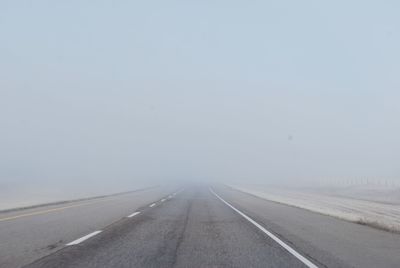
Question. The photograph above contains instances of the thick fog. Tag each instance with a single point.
(116, 94)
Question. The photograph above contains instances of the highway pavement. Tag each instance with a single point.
(29, 234)
(197, 226)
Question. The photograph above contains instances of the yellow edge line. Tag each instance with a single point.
(46, 211)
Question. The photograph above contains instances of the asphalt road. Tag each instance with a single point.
(29, 234)
(197, 228)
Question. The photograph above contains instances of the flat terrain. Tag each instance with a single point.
(342, 204)
(26, 235)
(191, 228)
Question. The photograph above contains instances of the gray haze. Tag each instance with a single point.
(131, 92)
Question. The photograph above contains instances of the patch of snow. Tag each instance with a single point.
(28, 195)
(348, 204)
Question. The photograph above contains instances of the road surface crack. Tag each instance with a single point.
(182, 234)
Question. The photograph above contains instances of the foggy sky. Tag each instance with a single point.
(122, 91)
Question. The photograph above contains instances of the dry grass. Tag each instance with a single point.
(379, 225)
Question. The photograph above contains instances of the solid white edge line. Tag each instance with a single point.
(134, 214)
(162, 200)
(170, 196)
(83, 238)
(271, 235)
(152, 205)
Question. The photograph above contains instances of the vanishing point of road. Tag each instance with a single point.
(194, 226)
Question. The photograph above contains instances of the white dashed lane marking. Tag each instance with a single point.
(83, 238)
(133, 214)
